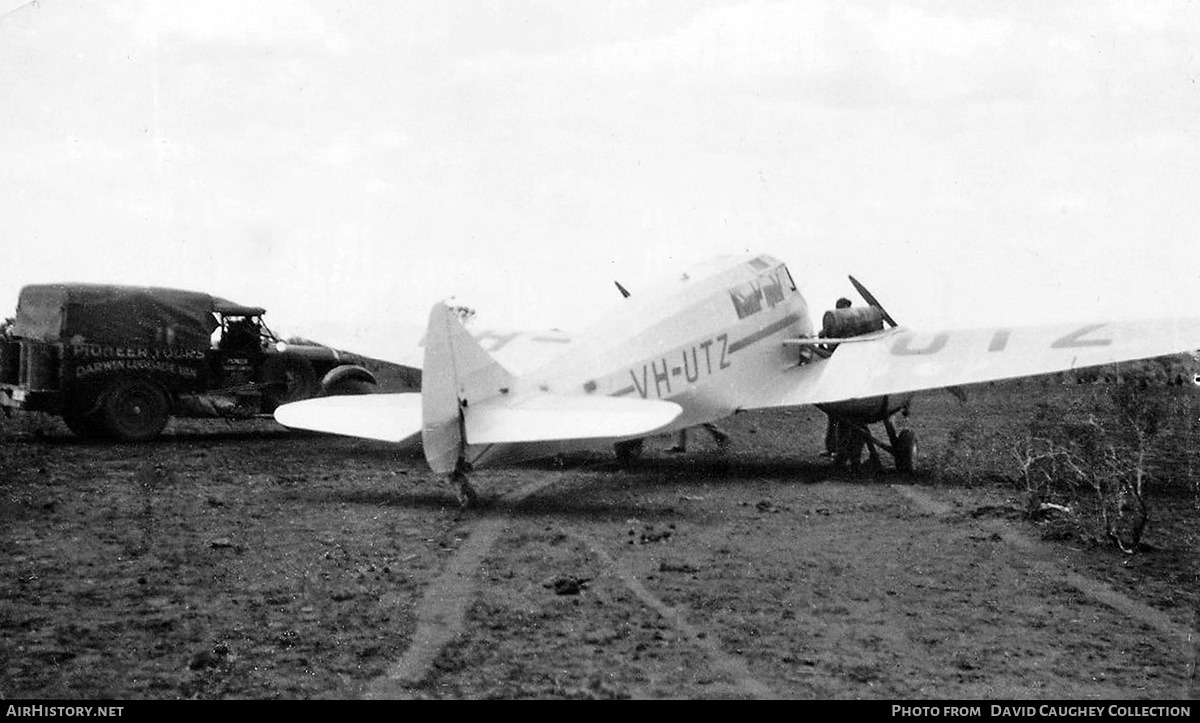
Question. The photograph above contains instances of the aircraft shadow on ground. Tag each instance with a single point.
(646, 488)
(552, 501)
(652, 487)
(712, 468)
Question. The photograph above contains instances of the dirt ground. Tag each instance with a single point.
(240, 560)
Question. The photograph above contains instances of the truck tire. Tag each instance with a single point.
(347, 380)
(134, 410)
(287, 378)
(350, 387)
(83, 424)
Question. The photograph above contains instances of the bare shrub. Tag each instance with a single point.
(1106, 448)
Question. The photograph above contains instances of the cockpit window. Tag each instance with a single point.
(785, 274)
(770, 287)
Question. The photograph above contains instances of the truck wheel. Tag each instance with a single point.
(82, 425)
(134, 410)
(287, 378)
(350, 387)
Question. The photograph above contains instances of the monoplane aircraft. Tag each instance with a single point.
(728, 335)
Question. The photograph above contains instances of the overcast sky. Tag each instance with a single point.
(351, 163)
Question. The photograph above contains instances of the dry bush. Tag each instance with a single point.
(1104, 454)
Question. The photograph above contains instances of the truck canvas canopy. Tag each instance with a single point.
(104, 313)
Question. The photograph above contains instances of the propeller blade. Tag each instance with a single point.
(870, 299)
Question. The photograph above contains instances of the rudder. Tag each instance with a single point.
(457, 372)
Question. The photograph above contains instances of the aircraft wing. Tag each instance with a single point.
(386, 417)
(555, 417)
(910, 361)
(521, 352)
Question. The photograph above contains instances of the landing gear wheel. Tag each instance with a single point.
(134, 410)
(906, 451)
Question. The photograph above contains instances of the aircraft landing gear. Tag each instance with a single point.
(904, 447)
(845, 441)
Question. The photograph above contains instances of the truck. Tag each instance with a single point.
(118, 362)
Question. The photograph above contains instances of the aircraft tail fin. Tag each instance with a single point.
(457, 372)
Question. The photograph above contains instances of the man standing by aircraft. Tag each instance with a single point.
(843, 442)
(720, 436)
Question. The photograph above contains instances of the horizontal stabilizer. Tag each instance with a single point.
(551, 417)
(386, 417)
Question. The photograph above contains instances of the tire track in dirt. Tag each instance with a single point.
(441, 614)
(734, 667)
(1101, 592)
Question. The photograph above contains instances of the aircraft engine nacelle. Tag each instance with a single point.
(851, 321)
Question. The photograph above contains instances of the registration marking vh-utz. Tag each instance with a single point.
(698, 360)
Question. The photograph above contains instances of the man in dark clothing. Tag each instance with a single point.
(720, 436)
(843, 440)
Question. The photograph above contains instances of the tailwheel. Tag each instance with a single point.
(468, 496)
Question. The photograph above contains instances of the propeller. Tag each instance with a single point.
(870, 299)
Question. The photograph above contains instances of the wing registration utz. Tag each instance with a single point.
(386, 417)
(910, 361)
(551, 417)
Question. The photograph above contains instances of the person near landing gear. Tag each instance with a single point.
(720, 436)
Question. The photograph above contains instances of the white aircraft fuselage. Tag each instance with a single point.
(704, 341)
